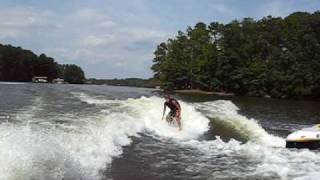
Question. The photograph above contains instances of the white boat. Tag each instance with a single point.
(305, 138)
(40, 79)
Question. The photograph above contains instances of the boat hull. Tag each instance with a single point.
(305, 138)
(303, 145)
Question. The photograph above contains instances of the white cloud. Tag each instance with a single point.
(6, 33)
(18, 22)
(144, 34)
(83, 36)
(117, 42)
(88, 15)
(222, 9)
(95, 41)
(120, 35)
(91, 17)
(273, 7)
(106, 24)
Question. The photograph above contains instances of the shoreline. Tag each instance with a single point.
(201, 92)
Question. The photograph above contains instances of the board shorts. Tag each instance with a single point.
(172, 115)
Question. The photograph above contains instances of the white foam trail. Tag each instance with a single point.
(145, 113)
(82, 149)
(28, 154)
(148, 113)
(35, 151)
(30, 111)
(95, 100)
(268, 161)
(227, 113)
(262, 148)
(30, 151)
(124, 118)
(11, 83)
(43, 149)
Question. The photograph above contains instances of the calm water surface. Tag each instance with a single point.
(104, 132)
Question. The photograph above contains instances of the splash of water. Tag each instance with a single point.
(82, 149)
(226, 113)
(43, 149)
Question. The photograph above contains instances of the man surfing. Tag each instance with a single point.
(175, 110)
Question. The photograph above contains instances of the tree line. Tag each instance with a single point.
(273, 56)
(136, 82)
(20, 65)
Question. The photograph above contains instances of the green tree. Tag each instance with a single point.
(271, 56)
(73, 74)
(17, 64)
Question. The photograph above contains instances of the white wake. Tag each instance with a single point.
(43, 149)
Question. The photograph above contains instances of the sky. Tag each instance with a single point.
(117, 38)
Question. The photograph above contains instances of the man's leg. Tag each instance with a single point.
(178, 119)
(170, 117)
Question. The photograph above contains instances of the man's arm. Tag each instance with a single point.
(164, 110)
(176, 104)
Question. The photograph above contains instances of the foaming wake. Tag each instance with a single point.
(148, 112)
(262, 162)
(29, 154)
(77, 149)
(225, 113)
(11, 83)
(26, 115)
(120, 119)
(82, 147)
(264, 153)
(261, 150)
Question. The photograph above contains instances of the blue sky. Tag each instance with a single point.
(116, 38)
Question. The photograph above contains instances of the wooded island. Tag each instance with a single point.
(20, 65)
(273, 56)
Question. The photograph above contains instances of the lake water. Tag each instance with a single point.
(103, 132)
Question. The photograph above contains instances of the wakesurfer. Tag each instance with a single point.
(175, 110)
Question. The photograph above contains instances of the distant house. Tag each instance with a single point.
(58, 81)
(40, 79)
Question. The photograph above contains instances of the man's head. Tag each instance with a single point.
(167, 97)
